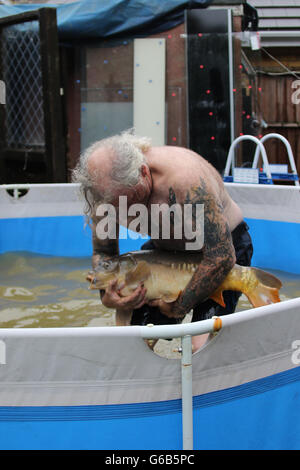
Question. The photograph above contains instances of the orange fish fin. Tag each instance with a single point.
(217, 296)
(266, 291)
(168, 298)
(263, 295)
(139, 274)
(267, 279)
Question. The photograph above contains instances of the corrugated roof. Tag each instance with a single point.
(274, 3)
(277, 14)
(279, 21)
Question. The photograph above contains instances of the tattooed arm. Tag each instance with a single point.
(102, 249)
(218, 253)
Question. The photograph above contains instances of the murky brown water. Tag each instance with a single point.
(38, 292)
(43, 291)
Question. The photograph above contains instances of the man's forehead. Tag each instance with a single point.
(99, 168)
(121, 192)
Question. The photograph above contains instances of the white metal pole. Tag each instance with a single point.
(154, 331)
(231, 80)
(262, 149)
(39, 185)
(288, 149)
(187, 392)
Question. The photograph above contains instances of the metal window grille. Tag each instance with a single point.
(21, 66)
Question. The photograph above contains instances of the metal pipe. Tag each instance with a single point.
(288, 147)
(74, 185)
(38, 185)
(231, 82)
(147, 332)
(262, 149)
(152, 331)
(265, 187)
(187, 393)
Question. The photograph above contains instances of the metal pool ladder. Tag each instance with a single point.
(267, 176)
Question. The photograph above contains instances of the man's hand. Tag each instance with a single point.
(112, 298)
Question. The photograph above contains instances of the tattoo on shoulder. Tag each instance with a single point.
(172, 196)
(215, 227)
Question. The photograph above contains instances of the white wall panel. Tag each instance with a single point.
(149, 88)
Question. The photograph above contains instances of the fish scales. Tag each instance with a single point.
(166, 274)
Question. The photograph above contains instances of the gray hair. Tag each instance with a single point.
(128, 157)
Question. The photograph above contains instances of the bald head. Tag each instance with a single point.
(111, 164)
(99, 167)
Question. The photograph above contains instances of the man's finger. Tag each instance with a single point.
(113, 284)
(136, 298)
(120, 286)
(112, 288)
(140, 304)
(143, 293)
(140, 299)
(135, 294)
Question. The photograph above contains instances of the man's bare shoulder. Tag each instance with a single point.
(178, 155)
(182, 169)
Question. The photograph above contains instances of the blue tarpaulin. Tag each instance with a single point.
(105, 18)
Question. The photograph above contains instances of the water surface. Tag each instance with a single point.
(40, 291)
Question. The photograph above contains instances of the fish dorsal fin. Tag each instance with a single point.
(139, 274)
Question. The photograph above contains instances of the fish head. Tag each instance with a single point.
(106, 271)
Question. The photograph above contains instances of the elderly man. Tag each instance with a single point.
(127, 165)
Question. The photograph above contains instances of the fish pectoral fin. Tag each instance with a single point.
(171, 296)
(139, 274)
(217, 296)
(168, 298)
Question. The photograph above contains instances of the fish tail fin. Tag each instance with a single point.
(267, 289)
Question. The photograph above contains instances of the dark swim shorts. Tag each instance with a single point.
(243, 250)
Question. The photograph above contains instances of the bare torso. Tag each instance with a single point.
(180, 176)
(181, 170)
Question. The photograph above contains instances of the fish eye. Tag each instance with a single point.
(108, 265)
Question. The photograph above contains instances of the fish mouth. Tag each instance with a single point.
(95, 282)
(91, 278)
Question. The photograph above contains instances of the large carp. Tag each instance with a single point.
(165, 275)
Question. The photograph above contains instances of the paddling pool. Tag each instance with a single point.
(72, 389)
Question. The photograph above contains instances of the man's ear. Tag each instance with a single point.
(145, 170)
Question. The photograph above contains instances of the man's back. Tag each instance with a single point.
(178, 174)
